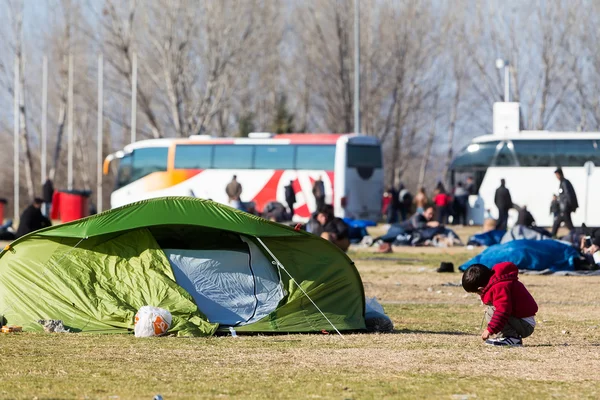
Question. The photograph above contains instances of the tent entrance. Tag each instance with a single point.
(230, 286)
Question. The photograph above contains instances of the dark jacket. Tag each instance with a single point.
(417, 221)
(508, 296)
(290, 195)
(394, 200)
(502, 198)
(525, 218)
(554, 207)
(48, 191)
(337, 227)
(471, 189)
(567, 198)
(318, 189)
(31, 220)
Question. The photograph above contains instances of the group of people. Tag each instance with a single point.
(561, 206)
(448, 206)
(322, 223)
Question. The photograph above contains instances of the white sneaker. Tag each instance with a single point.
(507, 341)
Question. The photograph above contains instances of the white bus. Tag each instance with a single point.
(201, 166)
(527, 160)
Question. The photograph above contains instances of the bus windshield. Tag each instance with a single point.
(141, 162)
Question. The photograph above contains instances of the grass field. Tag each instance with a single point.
(435, 351)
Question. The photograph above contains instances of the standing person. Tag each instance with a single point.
(48, 193)
(393, 206)
(421, 200)
(504, 203)
(567, 201)
(442, 203)
(405, 198)
(554, 207)
(319, 193)
(290, 198)
(233, 190)
(461, 200)
(32, 219)
(471, 189)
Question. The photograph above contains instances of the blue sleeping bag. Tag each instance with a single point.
(536, 255)
(357, 228)
(487, 239)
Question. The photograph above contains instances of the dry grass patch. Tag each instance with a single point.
(435, 352)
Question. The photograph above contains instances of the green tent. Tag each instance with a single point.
(211, 266)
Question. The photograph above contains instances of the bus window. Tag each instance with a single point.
(148, 160)
(535, 153)
(361, 156)
(190, 156)
(575, 153)
(505, 156)
(125, 171)
(315, 157)
(229, 156)
(274, 157)
(476, 155)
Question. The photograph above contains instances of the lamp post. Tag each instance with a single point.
(356, 66)
(500, 63)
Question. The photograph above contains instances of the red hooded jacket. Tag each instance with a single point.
(508, 296)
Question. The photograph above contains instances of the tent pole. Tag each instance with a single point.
(280, 265)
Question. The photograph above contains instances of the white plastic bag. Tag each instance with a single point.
(152, 321)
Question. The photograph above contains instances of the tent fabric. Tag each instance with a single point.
(170, 211)
(94, 287)
(535, 255)
(95, 273)
(252, 285)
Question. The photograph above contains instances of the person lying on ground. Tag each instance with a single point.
(511, 308)
(333, 229)
(590, 245)
(32, 219)
(419, 220)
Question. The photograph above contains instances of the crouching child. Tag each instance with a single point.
(511, 308)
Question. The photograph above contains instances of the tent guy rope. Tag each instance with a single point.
(280, 265)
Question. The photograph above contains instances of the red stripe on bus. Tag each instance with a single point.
(269, 191)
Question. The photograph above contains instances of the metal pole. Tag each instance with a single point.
(44, 118)
(587, 189)
(506, 82)
(133, 96)
(70, 127)
(16, 141)
(99, 141)
(356, 66)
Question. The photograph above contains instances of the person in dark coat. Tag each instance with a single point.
(470, 187)
(333, 229)
(319, 193)
(504, 203)
(290, 198)
(393, 206)
(48, 193)
(554, 206)
(567, 201)
(461, 203)
(32, 219)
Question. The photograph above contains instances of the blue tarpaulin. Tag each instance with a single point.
(487, 238)
(358, 228)
(535, 255)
